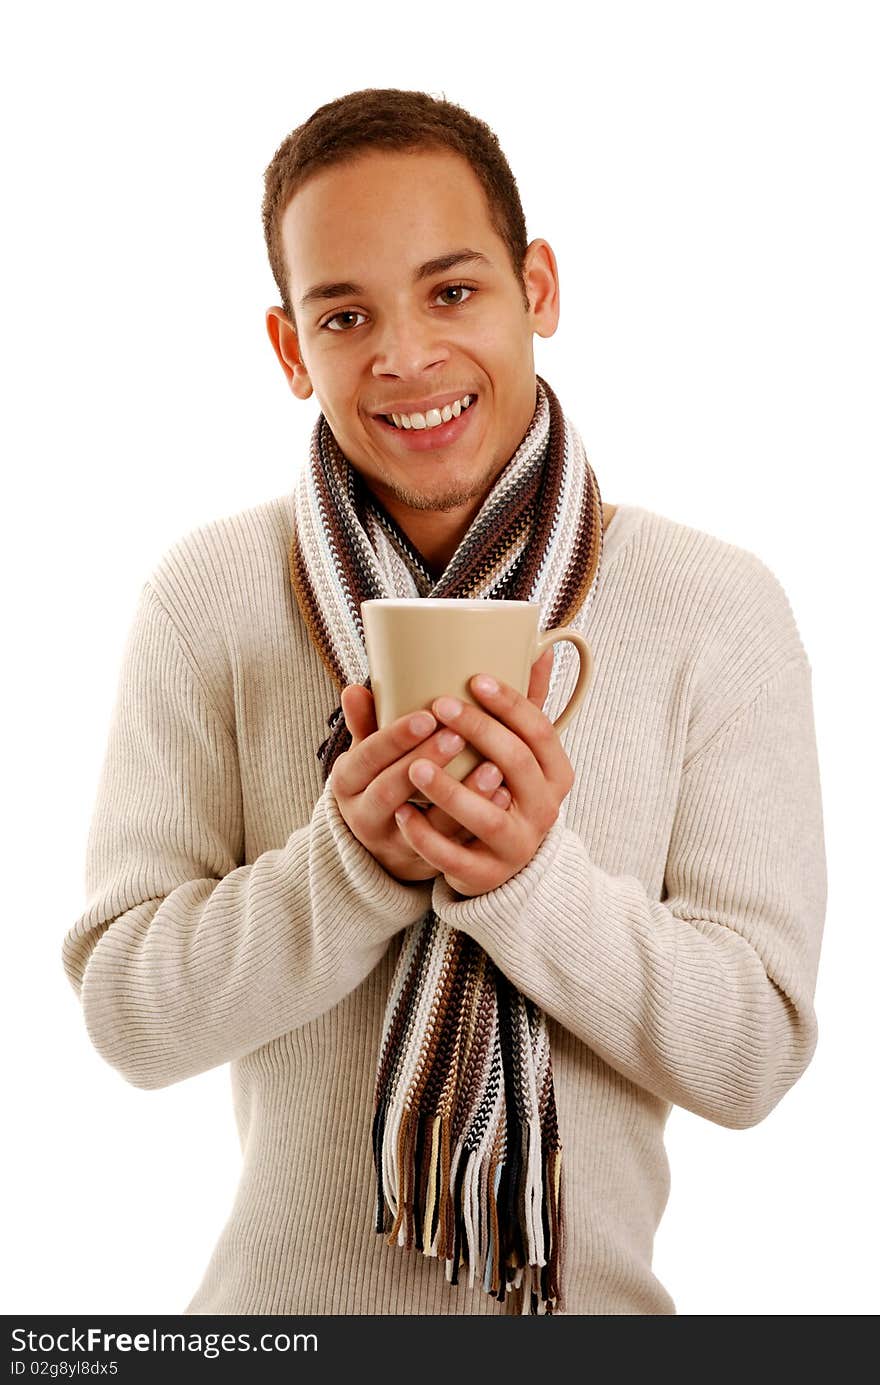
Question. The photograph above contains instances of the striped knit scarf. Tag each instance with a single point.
(465, 1137)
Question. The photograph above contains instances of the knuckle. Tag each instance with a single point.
(338, 774)
(496, 830)
(521, 757)
(363, 760)
(383, 795)
(545, 731)
(443, 790)
(567, 777)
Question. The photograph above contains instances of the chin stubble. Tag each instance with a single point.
(450, 499)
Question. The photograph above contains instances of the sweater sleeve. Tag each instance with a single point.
(704, 998)
(184, 958)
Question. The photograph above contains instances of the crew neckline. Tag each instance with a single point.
(624, 523)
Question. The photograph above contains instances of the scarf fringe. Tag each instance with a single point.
(454, 1209)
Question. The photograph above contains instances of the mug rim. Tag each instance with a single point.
(473, 603)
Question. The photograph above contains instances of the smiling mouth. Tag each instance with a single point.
(442, 435)
(425, 427)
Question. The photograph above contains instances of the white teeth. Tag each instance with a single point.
(434, 417)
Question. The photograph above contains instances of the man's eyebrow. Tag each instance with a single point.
(319, 292)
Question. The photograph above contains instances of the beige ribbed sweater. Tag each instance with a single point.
(670, 923)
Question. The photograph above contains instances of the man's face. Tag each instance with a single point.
(386, 339)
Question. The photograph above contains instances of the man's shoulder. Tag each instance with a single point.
(685, 560)
(231, 557)
(718, 601)
(672, 539)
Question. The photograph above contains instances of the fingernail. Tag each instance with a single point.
(447, 707)
(450, 742)
(421, 772)
(489, 776)
(422, 724)
(485, 684)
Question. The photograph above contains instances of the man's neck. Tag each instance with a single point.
(436, 535)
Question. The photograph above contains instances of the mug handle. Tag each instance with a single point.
(566, 632)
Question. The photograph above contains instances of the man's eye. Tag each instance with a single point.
(351, 312)
(456, 288)
(336, 316)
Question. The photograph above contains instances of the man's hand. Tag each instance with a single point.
(370, 781)
(517, 736)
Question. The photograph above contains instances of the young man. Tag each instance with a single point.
(464, 1027)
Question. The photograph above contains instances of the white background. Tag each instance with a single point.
(706, 174)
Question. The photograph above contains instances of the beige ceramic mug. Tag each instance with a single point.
(419, 648)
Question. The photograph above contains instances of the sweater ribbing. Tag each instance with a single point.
(669, 924)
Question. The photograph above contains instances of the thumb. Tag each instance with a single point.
(358, 710)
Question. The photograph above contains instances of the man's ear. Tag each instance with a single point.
(542, 286)
(285, 342)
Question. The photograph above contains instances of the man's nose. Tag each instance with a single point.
(407, 345)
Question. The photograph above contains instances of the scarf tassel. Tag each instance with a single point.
(457, 1209)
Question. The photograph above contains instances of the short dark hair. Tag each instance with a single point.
(387, 118)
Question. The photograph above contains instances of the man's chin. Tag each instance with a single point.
(440, 502)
